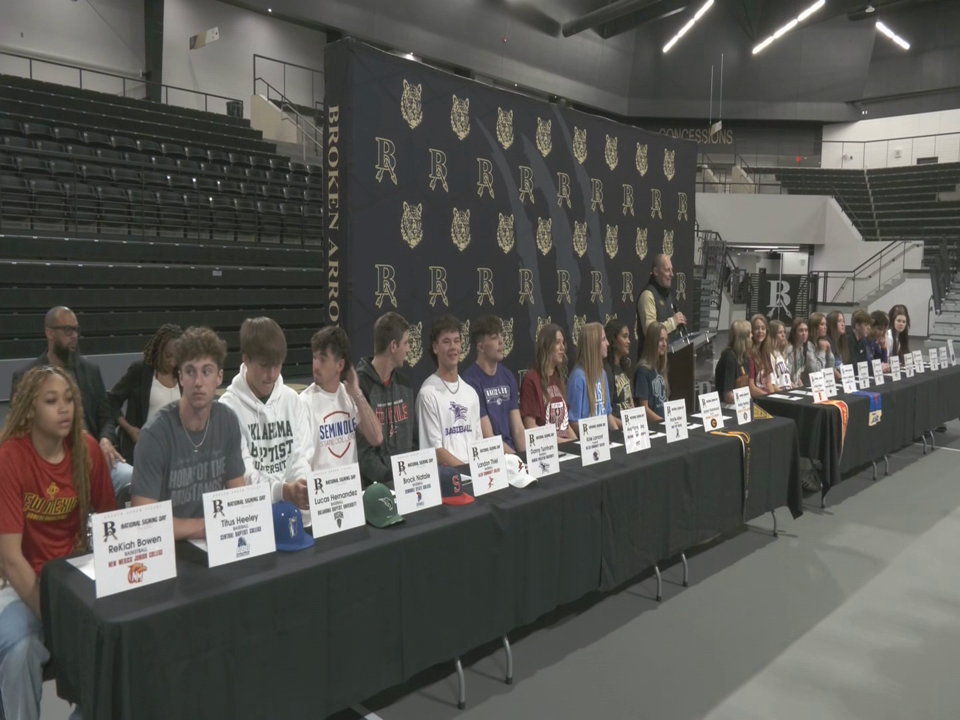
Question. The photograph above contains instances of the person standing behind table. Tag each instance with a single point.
(192, 446)
(335, 405)
(801, 357)
(761, 374)
(778, 360)
(148, 385)
(496, 386)
(588, 392)
(543, 392)
(63, 335)
(54, 476)
(656, 303)
(898, 336)
(617, 365)
(448, 408)
(391, 396)
(821, 344)
(651, 386)
(274, 424)
(732, 367)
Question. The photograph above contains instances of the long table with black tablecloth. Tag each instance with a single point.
(910, 407)
(366, 609)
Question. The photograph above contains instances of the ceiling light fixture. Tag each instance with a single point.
(790, 25)
(683, 30)
(892, 35)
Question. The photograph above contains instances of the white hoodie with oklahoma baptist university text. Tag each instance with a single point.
(277, 444)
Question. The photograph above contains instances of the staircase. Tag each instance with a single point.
(710, 270)
(946, 325)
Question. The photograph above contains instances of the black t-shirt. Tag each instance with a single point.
(728, 370)
(619, 383)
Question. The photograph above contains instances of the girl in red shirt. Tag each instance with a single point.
(53, 473)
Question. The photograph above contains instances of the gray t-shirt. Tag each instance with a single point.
(166, 465)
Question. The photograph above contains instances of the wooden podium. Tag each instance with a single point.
(683, 368)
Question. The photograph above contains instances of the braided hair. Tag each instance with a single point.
(153, 352)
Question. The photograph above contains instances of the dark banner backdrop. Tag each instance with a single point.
(782, 297)
(445, 195)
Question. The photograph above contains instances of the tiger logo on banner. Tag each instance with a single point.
(669, 170)
(460, 117)
(411, 224)
(578, 322)
(668, 242)
(544, 138)
(464, 340)
(460, 229)
(580, 144)
(610, 153)
(507, 337)
(540, 323)
(416, 344)
(612, 242)
(642, 159)
(505, 128)
(410, 106)
(544, 235)
(609, 318)
(642, 243)
(505, 233)
(579, 238)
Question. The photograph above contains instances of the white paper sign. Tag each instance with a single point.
(487, 466)
(543, 456)
(594, 440)
(416, 480)
(830, 382)
(878, 372)
(848, 379)
(895, 368)
(918, 361)
(711, 412)
(863, 375)
(133, 547)
(741, 400)
(336, 499)
(908, 364)
(953, 357)
(675, 420)
(239, 523)
(944, 357)
(636, 431)
(934, 359)
(819, 386)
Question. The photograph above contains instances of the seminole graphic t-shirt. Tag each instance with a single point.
(498, 397)
(333, 426)
(532, 404)
(449, 416)
(172, 463)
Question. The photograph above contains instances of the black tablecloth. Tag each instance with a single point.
(366, 609)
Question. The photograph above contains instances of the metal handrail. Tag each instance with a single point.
(287, 104)
(284, 64)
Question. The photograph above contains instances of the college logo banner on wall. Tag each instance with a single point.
(782, 297)
(446, 195)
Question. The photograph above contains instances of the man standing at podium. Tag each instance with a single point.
(656, 303)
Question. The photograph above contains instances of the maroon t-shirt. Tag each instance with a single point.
(532, 404)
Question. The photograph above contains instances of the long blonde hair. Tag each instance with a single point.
(20, 422)
(773, 330)
(761, 352)
(651, 357)
(740, 341)
(588, 358)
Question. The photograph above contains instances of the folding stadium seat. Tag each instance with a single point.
(248, 190)
(14, 203)
(33, 167)
(291, 215)
(228, 187)
(280, 165)
(95, 139)
(143, 212)
(172, 150)
(137, 159)
(8, 165)
(123, 144)
(156, 180)
(276, 178)
(162, 163)
(312, 225)
(114, 210)
(80, 151)
(207, 185)
(271, 193)
(16, 144)
(315, 172)
(257, 176)
(48, 146)
(246, 220)
(234, 173)
(63, 170)
(82, 207)
(297, 180)
(10, 127)
(196, 154)
(313, 196)
(209, 168)
(199, 220)
(67, 135)
(219, 157)
(172, 214)
(239, 159)
(95, 174)
(181, 182)
(270, 221)
(191, 166)
(258, 161)
(37, 131)
(224, 216)
(148, 147)
(298, 168)
(47, 205)
(125, 177)
(110, 156)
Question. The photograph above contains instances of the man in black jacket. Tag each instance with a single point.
(63, 333)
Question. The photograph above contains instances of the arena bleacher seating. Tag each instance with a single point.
(137, 213)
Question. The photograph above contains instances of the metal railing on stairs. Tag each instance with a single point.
(852, 286)
(308, 134)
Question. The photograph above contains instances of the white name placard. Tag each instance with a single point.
(878, 372)
(133, 547)
(487, 466)
(863, 375)
(594, 440)
(675, 420)
(636, 431)
(239, 523)
(819, 386)
(934, 359)
(953, 356)
(830, 382)
(944, 357)
(908, 367)
(895, 368)
(543, 455)
(848, 379)
(711, 412)
(336, 499)
(741, 401)
(416, 481)
(918, 361)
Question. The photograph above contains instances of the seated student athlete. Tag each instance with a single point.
(193, 445)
